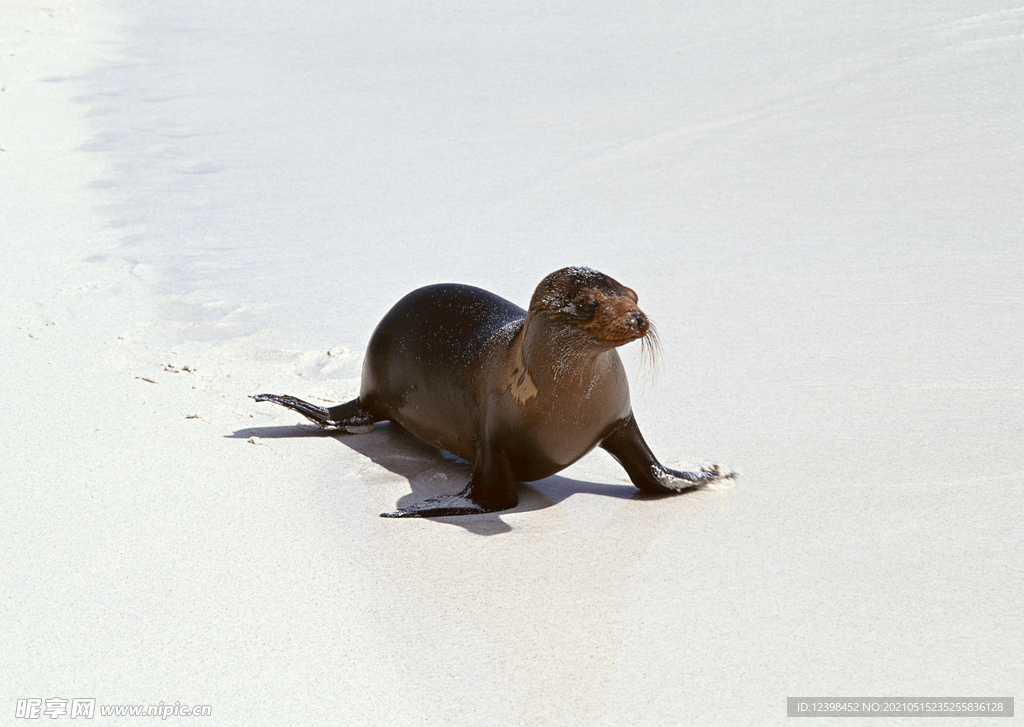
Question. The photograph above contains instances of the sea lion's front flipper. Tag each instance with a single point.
(348, 416)
(627, 445)
(460, 504)
(493, 488)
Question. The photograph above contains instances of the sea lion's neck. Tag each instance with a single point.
(550, 349)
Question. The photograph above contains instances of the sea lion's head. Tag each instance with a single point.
(600, 308)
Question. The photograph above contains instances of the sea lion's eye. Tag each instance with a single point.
(586, 306)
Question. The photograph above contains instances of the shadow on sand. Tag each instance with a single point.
(432, 472)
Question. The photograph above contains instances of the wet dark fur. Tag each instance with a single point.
(520, 394)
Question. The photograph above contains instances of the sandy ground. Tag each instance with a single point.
(821, 211)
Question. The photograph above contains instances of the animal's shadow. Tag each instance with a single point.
(431, 472)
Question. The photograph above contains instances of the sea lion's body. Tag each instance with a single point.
(520, 394)
(446, 364)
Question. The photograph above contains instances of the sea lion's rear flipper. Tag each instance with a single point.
(627, 445)
(348, 416)
(493, 488)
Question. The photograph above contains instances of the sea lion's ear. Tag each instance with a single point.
(585, 305)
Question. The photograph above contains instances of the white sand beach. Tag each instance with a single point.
(820, 207)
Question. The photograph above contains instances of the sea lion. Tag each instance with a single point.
(520, 394)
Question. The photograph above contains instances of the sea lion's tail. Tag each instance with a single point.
(348, 416)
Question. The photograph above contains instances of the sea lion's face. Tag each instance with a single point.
(593, 304)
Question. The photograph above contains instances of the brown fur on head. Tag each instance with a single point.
(593, 303)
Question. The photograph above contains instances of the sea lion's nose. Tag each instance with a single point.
(639, 319)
